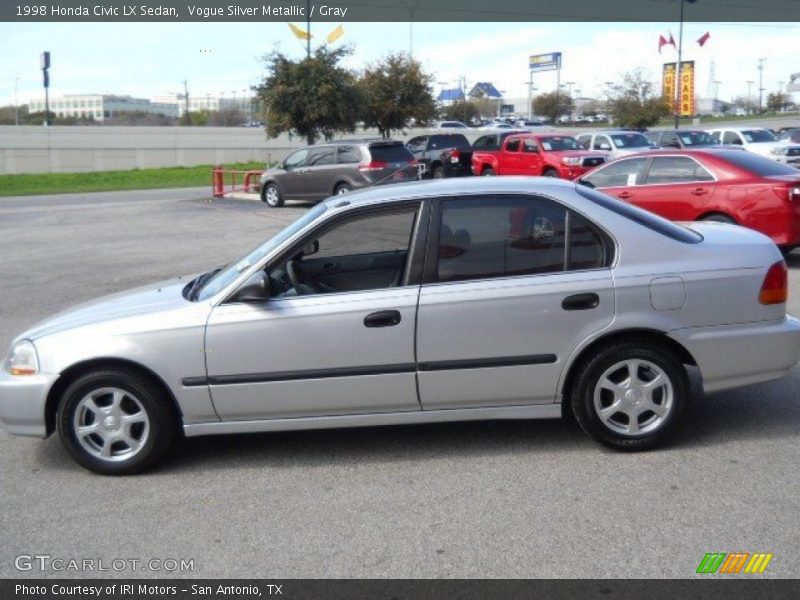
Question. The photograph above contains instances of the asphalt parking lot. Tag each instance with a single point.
(500, 499)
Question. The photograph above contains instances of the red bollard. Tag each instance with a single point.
(217, 181)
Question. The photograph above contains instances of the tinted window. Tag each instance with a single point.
(640, 216)
(587, 250)
(485, 141)
(630, 140)
(393, 153)
(500, 237)
(368, 235)
(348, 155)
(296, 159)
(325, 155)
(756, 164)
(512, 146)
(759, 135)
(676, 169)
(618, 174)
(455, 140)
(731, 137)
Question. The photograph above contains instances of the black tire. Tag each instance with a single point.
(786, 250)
(161, 431)
(550, 173)
(341, 188)
(271, 196)
(719, 218)
(438, 173)
(582, 397)
(488, 172)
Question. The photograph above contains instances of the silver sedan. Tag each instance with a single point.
(481, 298)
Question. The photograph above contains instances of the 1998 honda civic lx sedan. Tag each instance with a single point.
(485, 298)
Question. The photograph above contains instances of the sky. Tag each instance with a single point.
(226, 58)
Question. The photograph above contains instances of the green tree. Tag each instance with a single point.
(632, 103)
(313, 97)
(778, 102)
(553, 105)
(464, 111)
(395, 90)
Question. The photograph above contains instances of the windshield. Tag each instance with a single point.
(631, 140)
(697, 138)
(759, 135)
(225, 277)
(559, 143)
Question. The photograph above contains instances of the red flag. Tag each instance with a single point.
(704, 38)
(662, 41)
(671, 40)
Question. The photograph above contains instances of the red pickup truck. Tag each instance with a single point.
(550, 155)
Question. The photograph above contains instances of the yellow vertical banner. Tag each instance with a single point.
(668, 85)
(687, 107)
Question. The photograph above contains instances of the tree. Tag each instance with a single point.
(394, 91)
(552, 105)
(632, 103)
(464, 111)
(746, 103)
(313, 97)
(778, 102)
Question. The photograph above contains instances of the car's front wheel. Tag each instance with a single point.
(630, 395)
(115, 422)
(272, 196)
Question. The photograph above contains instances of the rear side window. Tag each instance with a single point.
(455, 140)
(640, 216)
(347, 155)
(530, 146)
(485, 141)
(503, 237)
(618, 174)
(512, 146)
(731, 137)
(676, 169)
(391, 153)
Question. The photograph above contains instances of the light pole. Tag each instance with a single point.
(749, 96)
(678, 68)
(16, 104)
(569, 85)
(410, 10)
(760, 82)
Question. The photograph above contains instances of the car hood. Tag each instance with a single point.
(157, 297)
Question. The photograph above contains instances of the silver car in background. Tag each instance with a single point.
(617, 143)
(463, 299)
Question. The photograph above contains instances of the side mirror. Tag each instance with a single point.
(255, 289)
(310, 249)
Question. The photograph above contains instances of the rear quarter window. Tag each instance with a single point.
(753, 163)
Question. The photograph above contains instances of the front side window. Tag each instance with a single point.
(759, 135)
(631, 140)
(296, 159)
(731, 137)
(504, 237)
(617, 174)
(676, 169)
(601, 142)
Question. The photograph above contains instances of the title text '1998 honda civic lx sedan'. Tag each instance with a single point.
(485, 298)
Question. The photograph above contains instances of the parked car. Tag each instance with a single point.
(536, 154)
(754, 139)
(442, 154)
(316, 172)
(724, 185)
(682, 138)
(451, 125)
(530, 124)
(616, 143)
(496, 125)
(495, 298)
(790, 135)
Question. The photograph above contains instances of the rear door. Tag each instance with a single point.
(321, 172)
(532, 163)
(675, 187)
(502, 305)
(510, 159)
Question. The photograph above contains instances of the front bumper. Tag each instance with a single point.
(734, 355)
(22, 403)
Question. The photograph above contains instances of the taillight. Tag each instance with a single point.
(374, 165)
(454, 156)
(794, 193)
(775, 288)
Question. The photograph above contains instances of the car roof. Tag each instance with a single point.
(702, 151)
(455, 186)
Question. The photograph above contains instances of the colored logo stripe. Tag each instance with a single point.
(733, 562)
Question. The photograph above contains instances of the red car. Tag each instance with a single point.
(549, 155)
(711, 184)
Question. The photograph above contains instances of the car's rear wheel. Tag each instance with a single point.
(630, 395)
(438, 172)
(719, 218)
(550, 173)
(488, 172)
(342, 188)
(115, 422)
(272, 196)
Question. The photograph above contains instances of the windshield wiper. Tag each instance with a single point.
(198, 283)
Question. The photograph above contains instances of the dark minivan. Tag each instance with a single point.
(316, 172)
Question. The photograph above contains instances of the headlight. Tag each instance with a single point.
(779, 151)
(22, 359)
(572, 161)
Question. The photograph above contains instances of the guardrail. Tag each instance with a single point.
(221, 187)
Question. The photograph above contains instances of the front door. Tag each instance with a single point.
(337, 335)
(675, 187)
(503, 304)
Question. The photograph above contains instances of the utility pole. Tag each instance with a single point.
(45, 65)
(308, 28)
(678, 68)
(760, 82)
(410, 10)
(16, 104)
(186, 101)
(749, 96)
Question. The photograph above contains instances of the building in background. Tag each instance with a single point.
(102, 106)
(450, 96)
(209, 103)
